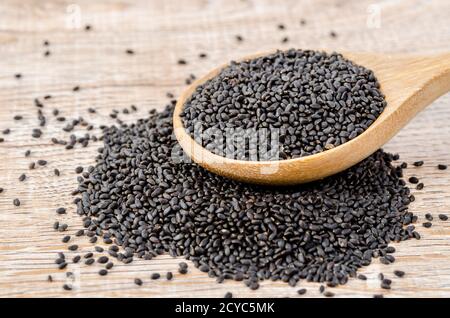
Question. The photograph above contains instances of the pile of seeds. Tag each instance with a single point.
(138, 196)
(313, 100)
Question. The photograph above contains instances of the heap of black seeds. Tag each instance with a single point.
(138, 197)
(316, 100)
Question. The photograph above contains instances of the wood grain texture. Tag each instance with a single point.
(161, 32)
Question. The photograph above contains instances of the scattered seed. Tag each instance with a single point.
(138, 281)
(427, 224)
(103, 272)
(42, 162)
(66, 239)
(442, 167)
(418, 163)
(413, 180)
(22, 177)
(16, 202)
(443, 217)
(67, 287)
(73, 247)
(429, 217)
(61, 211)
(76, 259)
(169, 275)
(301, 291)
(129, 52)
(103, 259)
(155, 276)
(228, 295)
(399, 273)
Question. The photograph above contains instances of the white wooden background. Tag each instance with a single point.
(161, 32)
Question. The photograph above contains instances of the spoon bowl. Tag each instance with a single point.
(409, 83)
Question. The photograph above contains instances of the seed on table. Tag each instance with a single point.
(109, 265)
(182, 62)
(239, 38)
(88, 255)
(333, 34)
(6, 131)
(93, 240)
(37, 133)
(169, 275)
(302, 22)
(228, 295)
(18, 117)
(103, 259)
(18, 75)
(420, 186)
(87, 27)
(61, 210)
(22, 177)
(59, 261)
(27, 153)
(413, 180)
(62, 265)
(378, 296)
(67, 287)
(385, 286)
(138, 281)
(443, 217)
(50, 278)
(56, 225)
(89, 261)
(102, 272)
(56, 172)
(76, 88)
(76, 259)
(79, 233)
(285, 40)
(429, 217)
(328, 294)
(362, 277)
(73, 247)
(129, 52)
(99, 249)
(399, 273)
(442, 167)
(66, 239)
(301, 291)
(32, 165)
(16, 202)
(155, 276)
(202, 56)
(427, 224)
(418, 163)
(387, 281)
(380, 276)
(42, 162)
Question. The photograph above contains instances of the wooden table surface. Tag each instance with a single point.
(160, 33)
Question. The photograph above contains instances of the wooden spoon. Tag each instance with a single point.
(410, 83)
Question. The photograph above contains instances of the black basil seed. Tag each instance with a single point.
(443, 217)
(418, 163)
(109, 265)
(138, 281)
(89, 261)
(413, 180)
(61, 211)
(169, 275)
(42, 162)
(137, 196)
(67, 287)
(429, 217)
(442, 167)
(16, 202)
(155, 276)
(399, 273)
(22, 177)
(307, 112)
(76, 259)
(427, 224)
(228, 295)
(66, 239)
(73, 247)
(103, 272)
(301, 291)
(419, 186)
(103, 259)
